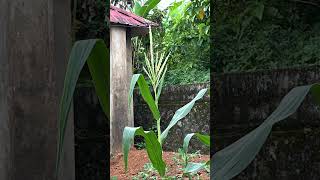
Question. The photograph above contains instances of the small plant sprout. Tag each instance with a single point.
(191, 167)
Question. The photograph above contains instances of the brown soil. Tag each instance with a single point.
(138, 158)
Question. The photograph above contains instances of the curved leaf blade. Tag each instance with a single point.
(195, 167)
(145, 92)
(153, 147)
(205, 139)
(93, 51)
(230, 161)
(145, 8)
(136, 8)
(181, 113)
(99, 67)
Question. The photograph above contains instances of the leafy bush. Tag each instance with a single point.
(255, 35)
(187, 34)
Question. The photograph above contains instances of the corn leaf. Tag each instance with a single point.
(99, 67)
(230, 161)
(205, 139)
(145, 92)
(153, 147)
(181, 113)
(195, 167)
(95, 53)
(161, 84)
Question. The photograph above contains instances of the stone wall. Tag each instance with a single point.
(172, 98)
(241, 101)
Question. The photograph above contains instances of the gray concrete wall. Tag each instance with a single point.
(34, 49)
(242, 101)
(120, 82)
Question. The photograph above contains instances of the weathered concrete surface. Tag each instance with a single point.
(241, 101)
(35, 41)
(173, 98)
(121, 73)
(5, 151)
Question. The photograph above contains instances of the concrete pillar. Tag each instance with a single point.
(121, 73)
(129, 75)
(34, 48)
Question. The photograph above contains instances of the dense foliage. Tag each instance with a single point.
(184, 32)
(258, 34)
(90, 19)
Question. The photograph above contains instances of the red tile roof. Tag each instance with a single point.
(122, 17)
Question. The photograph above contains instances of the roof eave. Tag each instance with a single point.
(134, 30)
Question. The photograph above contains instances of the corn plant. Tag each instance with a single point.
(156, 67)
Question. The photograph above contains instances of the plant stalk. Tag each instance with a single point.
(158, 120)
(159, 131)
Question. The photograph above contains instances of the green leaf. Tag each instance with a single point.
(181, 113)
(205, 139)
(195, 167)
(161, 83)
(146, 8)
(136, 8)
(145, 92)
(94, 52)
(258, 11)
(99, 67)
(153, 147)
(230, 161)
(178, 9)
